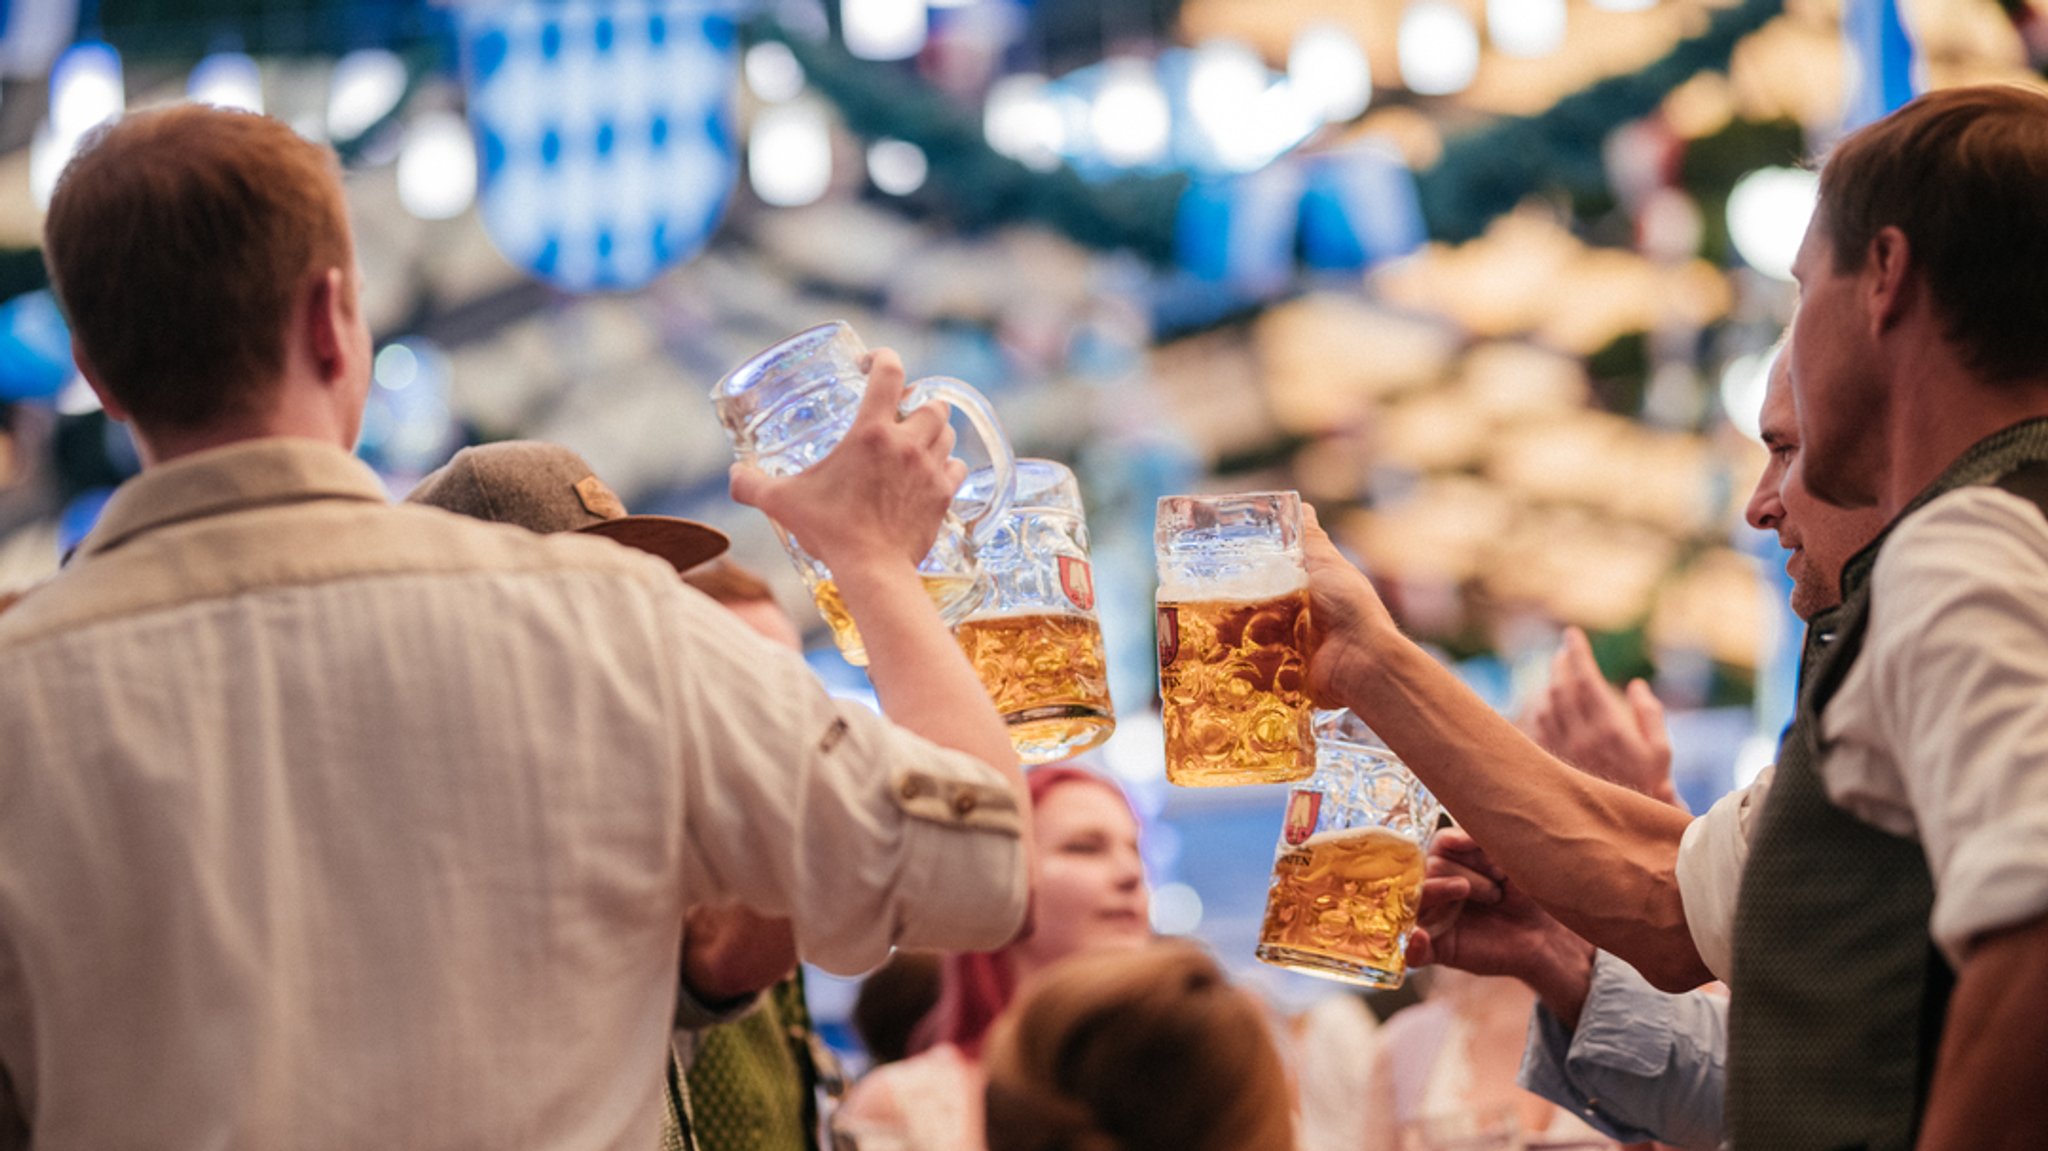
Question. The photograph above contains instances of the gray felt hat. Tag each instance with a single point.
(545, 487)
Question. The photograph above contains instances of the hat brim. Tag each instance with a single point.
(683, 543)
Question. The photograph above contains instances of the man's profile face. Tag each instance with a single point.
(1820, 536)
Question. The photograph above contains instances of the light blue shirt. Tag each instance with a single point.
(1643, 1064)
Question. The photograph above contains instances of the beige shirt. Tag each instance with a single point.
(325, 823)
(1938, 732)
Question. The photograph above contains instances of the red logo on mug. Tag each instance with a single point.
(1303, 806)
(1077, 579)
(1169, 636)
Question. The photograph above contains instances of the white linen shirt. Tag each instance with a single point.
(331, 824)
(1939, 731)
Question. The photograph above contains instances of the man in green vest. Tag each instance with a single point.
(1911, 804)
(1637, 1063)
(1904, 848)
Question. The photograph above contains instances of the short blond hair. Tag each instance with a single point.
(1147, 1050)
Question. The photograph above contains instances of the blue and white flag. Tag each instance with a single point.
(1884, 73)
(604, 133)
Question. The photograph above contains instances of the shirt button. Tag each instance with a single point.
(963, 803)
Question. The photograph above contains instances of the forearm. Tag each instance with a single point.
(1994, 1047)
(920, 675)
(1601, 858)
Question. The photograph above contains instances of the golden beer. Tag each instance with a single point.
(1342, 904)
(944, 590)
(1047, 675)
(1232, 678)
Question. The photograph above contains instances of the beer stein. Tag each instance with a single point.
(1347, 873)
(788, 407)
(1234, 639)
(1035, 641)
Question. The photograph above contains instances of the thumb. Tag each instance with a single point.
(750, 485)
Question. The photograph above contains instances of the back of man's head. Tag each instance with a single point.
(178, 241)
(1961, 173)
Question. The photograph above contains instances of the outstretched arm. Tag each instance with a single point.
(1601, 858)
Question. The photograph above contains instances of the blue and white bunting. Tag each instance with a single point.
(604, 133)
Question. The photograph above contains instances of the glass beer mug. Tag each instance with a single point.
(1035, 641)
(1347, 873)
(789, 406)
(1234, 639)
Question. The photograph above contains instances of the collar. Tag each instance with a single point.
(262, 472)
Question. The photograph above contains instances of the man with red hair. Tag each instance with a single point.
(331, 824)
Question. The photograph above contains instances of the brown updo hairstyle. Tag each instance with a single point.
(1146, 1050)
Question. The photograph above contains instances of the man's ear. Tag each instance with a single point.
(325, 317)
(1888, 282)
(108, 403)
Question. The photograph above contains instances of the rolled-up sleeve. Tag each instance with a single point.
(1711, 857)
(864, 834)
(1643, 1064)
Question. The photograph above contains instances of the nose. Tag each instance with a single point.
(1130, 873)
(1766, 508)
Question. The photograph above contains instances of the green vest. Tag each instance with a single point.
(753, 1083)
(1838, 993)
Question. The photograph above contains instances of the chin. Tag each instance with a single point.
(1123, 935)
(1809, 601)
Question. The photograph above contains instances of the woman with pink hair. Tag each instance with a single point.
(1088, 893)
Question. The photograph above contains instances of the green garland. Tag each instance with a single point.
(1482, 174)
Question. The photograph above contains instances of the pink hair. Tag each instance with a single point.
(975, 986)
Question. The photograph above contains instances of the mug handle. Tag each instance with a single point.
(982, 418)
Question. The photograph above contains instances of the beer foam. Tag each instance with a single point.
(1267, 581)
(1027, 611)
(1356, 835)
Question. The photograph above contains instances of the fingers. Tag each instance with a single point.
(928, 424)
(1441, 892)
(1543, 717)
(884, 394)
(1478, 887)
(1649, 713)
(1458, 844)
(1421, 950)
(1453, 839)
(1584, 690)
